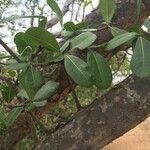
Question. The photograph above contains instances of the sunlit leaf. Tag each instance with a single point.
(107, 8)
(17, 66)
(138, 5)
(70, 26)
(116, 31)
(40, 36)
(20, 42)
(120, 39)
(8, 93)
(46, 91)
(100, 69)
(13, 115)
(54, 6)
(83, 40)
(65, 46)
(78, 70)
(31, 80)
(140, 62)
(23, 94)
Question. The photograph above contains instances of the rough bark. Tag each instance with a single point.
(124, 18)
(109, 117)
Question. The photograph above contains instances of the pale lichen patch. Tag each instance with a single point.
(117, 99)
(103, 107)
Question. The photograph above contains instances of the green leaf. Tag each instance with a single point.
(12, 116)
(46, 91)
(27, 52)
(17, 66)
(23, 94)
(40, 36)
(20, 42)
(70, 26)
(12, 73)
(116, 31)
(140, 62)
(120, 39)
(31, 80)
(147, 23)
(54, 6)
(8, 93)
(82, 25)
(107, 8)
(65, 46)
(2, 113)
(100, 69)
(67, 34)
(83, 40)
(78, 70)
(138, 5)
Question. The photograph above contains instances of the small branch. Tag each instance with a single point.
(83, 13)
(76, 18)
(10, 51)
(72, 11)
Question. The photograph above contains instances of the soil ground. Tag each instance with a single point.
(136, 139)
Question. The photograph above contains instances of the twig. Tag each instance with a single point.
(72, 10)
(10, 51)
(83, 13)
(76, 18)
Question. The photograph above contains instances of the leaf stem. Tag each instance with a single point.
(79, 107)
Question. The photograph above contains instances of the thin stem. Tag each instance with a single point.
(10, 51)
(79, 107)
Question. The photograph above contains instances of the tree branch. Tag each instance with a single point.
(10, 51)
(118, 111)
